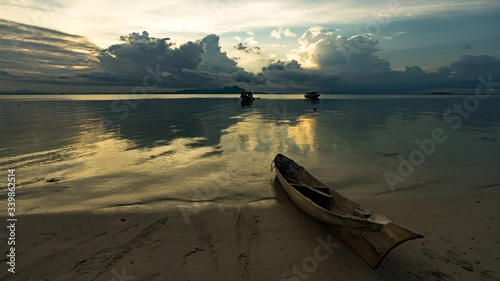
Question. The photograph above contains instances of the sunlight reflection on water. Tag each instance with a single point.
(168, 148)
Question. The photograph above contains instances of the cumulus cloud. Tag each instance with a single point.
(193, 64)
(291, 77)
(282, 32)
(468, 68)
(241, 46)
(324, 61)
(335, 54)
(334, 63)
(251, 41)
(38, 55)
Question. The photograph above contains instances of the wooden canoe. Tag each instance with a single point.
(369, 235)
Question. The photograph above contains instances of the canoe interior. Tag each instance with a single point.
(322, 201)
(337, 203)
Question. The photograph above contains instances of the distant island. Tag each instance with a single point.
(440, 93)
(24, 92)
(226, 90)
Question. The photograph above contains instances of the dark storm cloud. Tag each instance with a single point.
(4, 73)
(346, 65)
(193, 64)
(324, 61)
(38, 55)
(292, 77)
(469, 67)
(34, 54)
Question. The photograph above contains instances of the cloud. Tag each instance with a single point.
(31, 53)
(4, 73)
(324, 60)
(251, 41)
(282, 31)
(241, 46)
(37, 55)
(355, 56)
(244, 47)
(289, 33)
(468, 67)
(292, 77)
(193, 64)
(394, 35)
(275, 34)
(334, 63)
(220, 17)
(251, 33)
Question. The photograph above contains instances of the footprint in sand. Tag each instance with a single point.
(246, 231)
(46, 237)
(206, 241)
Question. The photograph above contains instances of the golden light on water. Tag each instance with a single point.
(303, 134)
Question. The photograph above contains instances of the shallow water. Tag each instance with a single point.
(165, 149)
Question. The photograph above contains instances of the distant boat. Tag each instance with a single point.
(312, 95)
(247, 96)
(369, 235)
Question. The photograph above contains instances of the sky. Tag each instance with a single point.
(344, 46)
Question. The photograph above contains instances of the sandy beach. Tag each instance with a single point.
(138, 140)
(266, 240)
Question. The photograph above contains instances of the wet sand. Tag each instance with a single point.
(257, 241)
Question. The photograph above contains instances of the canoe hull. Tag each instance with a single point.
(370, 241)
(373, 247)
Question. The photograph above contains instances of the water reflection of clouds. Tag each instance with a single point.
(168, 148)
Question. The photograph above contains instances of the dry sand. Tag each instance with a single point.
(256, 241)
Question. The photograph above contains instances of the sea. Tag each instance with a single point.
(100, 152)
